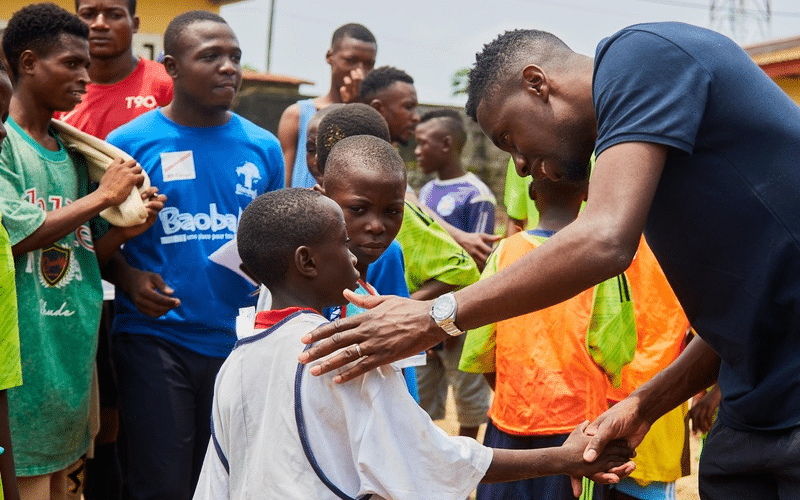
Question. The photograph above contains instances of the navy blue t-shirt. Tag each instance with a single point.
(725, 219)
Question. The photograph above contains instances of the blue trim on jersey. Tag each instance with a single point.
(223, 460)
(261, 335)
(301, 431)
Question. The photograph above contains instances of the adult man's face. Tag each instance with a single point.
(398, 105)
(111, 27)
(544, 139)
(57, 79)
(350, 54)
(207, 68)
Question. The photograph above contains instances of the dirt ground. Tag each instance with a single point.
(686, 486)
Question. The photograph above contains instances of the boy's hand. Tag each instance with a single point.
(120, 177)
(153, 202)
(610, 466)
(704, 407)
(477, 245)
(352, 85)
(149, 293)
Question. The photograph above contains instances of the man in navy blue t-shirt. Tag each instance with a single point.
(699, 149)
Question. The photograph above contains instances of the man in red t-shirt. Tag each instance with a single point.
(123, 86)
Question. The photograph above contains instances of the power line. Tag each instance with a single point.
(695, 5)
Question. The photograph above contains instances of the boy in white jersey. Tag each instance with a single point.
(279, 433)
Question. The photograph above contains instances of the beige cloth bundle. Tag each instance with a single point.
(99, 154)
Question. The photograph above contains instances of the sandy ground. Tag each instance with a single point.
(686, 487)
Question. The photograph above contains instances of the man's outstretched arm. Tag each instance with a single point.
(600, 244)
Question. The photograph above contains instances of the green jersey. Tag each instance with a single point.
(430, 253)
(59, 298)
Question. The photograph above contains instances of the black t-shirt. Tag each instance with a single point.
(725, 220)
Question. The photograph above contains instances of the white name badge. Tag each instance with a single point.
(177, 166)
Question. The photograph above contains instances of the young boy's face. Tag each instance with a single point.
(336, 265)
(111, 27)
(372, 203)
(207, 71)
(58, 79)
(432, 149)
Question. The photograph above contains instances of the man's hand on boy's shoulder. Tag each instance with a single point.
(371, 337)
(612, 465)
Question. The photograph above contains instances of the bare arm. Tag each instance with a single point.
(146, 289)
(600, 244)
(432, 289)
(696, 368)
(115, 186)
(288, 132)
(515, 465)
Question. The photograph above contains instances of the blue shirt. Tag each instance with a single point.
(209, 176)
(464, 202)
(725, 220)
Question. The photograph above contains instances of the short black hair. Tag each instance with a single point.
(452, 120)
(348, 120)
(37, 27)
(353, 30)
(274, 225)
(179, 24)
(381, 78)
(131, 6)
(495, 59)
(363, 152)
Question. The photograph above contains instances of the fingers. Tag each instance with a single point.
(599, 438)
(161, 286)
(577, 486)
(331, 337)
(365, 301)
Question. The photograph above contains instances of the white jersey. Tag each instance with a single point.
(368, 436)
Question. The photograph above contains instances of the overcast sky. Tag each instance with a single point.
(432, 39)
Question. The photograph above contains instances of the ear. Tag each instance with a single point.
(305, 262)
(329, 55)
(27, 62)
(135, 24)
(531, 192)
(377, 104)
(171, 66)
(536, 81)
(318, 188)
(447, 143)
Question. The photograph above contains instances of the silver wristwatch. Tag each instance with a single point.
(443, 313)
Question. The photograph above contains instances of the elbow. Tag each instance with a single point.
(614, 251)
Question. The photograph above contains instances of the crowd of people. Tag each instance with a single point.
(288, 316)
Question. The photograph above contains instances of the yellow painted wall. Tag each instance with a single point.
(155, 14)
(154, 17)
(791, 86)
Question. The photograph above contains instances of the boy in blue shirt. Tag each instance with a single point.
(167, 349)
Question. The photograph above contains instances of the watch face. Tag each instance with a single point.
(443, 308)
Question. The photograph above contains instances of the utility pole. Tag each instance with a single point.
(269, 32)
(745, 21)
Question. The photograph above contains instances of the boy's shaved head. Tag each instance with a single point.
(509, 53)
(346, 121)
(274, 225)
(38, 27)
(179, 24)
(362, 152)
(352, 30)
(451, 121)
